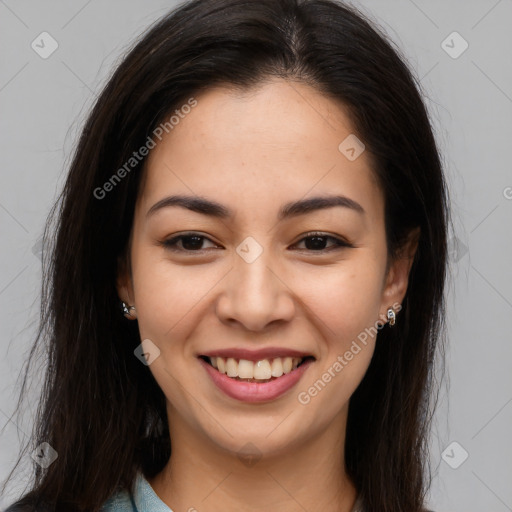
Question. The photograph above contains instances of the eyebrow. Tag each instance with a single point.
(293, 209)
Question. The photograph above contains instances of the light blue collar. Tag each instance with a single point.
(145, 498)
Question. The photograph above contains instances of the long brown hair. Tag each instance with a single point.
(100, 409)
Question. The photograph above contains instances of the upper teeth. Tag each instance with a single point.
(263, 369)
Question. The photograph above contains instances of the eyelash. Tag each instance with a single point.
(339, 243)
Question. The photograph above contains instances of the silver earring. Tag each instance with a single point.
(127, 309)
(391, 316)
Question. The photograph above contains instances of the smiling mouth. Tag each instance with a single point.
(264, 370)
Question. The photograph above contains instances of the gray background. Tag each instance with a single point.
(44, 103)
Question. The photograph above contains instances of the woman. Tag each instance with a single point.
(245, 295)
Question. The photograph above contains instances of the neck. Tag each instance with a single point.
(204, 477)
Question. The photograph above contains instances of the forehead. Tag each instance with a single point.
(259, 148)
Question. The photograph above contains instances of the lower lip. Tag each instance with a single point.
(254, 391)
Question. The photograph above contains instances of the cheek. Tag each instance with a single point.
(345, 300)
(172, 299)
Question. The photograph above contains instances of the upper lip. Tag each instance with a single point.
(255, 355)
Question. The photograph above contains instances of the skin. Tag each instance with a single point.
(253, 152)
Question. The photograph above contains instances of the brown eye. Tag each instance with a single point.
(317, 242)
(189, 243)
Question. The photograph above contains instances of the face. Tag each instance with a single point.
(252, 278)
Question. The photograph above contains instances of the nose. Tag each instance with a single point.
(255, 295)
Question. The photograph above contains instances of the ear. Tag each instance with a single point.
(124, 282)
(397, 278)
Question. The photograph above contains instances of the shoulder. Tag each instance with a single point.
(119, 502)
